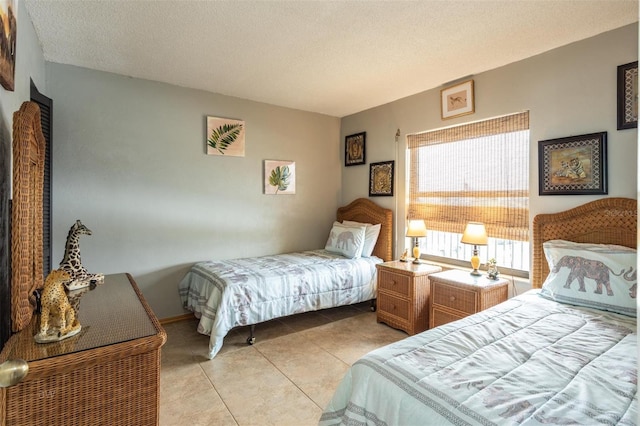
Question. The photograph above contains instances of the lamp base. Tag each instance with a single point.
(416, 251)
(416, 261)
(475, 262)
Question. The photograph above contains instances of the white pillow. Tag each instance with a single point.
(346, 240)
(601, 276)
(370, 237)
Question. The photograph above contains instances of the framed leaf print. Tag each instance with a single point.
(225, 137)
(279, 177)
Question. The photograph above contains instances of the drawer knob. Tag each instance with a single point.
(12, 372)
(393, 282)
(452, 298)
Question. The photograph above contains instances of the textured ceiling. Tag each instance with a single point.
(331, 57)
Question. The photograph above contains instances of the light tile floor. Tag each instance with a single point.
(286, 378)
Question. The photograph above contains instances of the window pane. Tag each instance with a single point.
(508, 253)
(473, 172)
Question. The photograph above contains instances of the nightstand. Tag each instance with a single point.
(403, 295)
(456, 294)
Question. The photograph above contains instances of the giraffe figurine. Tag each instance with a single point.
(58, 319)
(71, 262)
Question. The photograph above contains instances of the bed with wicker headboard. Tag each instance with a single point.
(603, 221)
(237, 292)
(534, 359)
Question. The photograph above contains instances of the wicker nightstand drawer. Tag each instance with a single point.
(455, 298)
(395, 283)
(456, 294)
(394, 306)
(440, 317)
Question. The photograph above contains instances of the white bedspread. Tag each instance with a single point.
(527, 361)
(229, 293)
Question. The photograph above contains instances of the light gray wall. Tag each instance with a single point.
(129, 161)
(568, 91)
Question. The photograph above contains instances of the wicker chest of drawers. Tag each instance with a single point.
(403, 294)
(456, 294)
(108, 374)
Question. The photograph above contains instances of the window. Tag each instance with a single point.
(473, 172)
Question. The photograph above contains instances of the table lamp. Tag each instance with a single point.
(476, 234)
(416, 229)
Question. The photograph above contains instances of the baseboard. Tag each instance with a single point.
(176, 319)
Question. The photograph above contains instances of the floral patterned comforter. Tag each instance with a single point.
(227, 293)
(527, 361)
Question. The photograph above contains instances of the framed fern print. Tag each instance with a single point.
(225, 136)
(279, 177)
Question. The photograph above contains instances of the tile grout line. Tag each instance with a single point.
(216, 391)
(287, 376)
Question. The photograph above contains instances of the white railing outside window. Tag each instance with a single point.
(509, 254)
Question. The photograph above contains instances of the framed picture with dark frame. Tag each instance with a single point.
(354, 149)
(381, 179)
(575, 165)
(628, 96)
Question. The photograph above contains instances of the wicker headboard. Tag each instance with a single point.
(366, 211)
(604, 221)
(26, 213)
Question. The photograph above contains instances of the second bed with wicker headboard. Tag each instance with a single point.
(604, 221)
(530, 360)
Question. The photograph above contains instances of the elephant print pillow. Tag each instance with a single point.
(600, 276)
(346, 240)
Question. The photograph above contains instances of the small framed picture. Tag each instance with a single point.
(225, 137)
(279, 177)
(9, 14)
(628, 96)
(457, 100)
(354, 149)
(575, 165)
(381, 179)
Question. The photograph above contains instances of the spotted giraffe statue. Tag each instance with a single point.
(57, 313)
(71, 263)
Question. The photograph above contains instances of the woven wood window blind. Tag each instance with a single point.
(472, 172)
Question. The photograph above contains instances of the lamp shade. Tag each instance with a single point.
(416, 228)
(475, 233)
